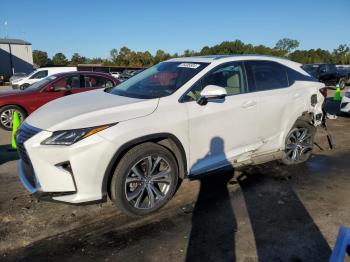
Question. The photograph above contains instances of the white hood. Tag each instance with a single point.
(88, 109)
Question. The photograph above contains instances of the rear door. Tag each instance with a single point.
(277, 100)
(95, 82)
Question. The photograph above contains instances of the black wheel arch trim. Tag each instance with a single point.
(148, 138)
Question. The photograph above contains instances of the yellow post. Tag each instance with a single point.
(337, 96)
(16, 122)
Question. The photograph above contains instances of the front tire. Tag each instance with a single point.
(24, 86)
(299, 143)
(145, 179)
(6, 114)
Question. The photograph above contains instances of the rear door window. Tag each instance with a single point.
(267, 75)
(97, 82)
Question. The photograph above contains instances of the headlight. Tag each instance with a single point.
(69, 137)
(347, 94)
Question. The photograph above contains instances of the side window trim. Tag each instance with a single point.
(77, 75)
(249, 78)
(181, 99)
(82, 82)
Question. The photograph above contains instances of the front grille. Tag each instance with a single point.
(23, 134)
(344, 105)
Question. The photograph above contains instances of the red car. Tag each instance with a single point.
(48, 89)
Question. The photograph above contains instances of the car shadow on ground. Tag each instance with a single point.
(282, 227)
(7, 154)
(214, 224)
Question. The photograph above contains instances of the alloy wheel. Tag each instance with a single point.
(6, 117)
(299, 144)
(148, 182)
(342, 84)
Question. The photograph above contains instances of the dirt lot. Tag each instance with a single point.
(267, 213)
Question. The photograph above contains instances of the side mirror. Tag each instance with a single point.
(50, 89)
(211, 92)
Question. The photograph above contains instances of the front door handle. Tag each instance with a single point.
(248, 104)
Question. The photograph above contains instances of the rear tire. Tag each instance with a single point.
(299, 143)
(6, 114)
(145, 179)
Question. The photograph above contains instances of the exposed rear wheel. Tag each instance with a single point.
(299, 143)
(144, 180)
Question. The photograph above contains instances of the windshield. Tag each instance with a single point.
(40, 83)
(160, 80)
(32, 73)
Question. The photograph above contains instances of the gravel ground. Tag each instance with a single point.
(266, 213)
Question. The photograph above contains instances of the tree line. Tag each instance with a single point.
(125, 57)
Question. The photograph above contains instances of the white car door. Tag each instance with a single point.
(222, 131)
(277, 102)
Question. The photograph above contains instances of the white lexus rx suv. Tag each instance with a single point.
(135, 142)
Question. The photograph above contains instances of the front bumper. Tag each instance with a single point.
(28, 178)
(71, 174)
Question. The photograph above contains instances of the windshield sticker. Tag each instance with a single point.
(189, 65)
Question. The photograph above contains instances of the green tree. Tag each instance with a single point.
(188, 53)
(342, 55)
(59, 59)
(77, 59)
(123, 58)
(146, 59)
(40, 58)
(287, 45)
(95, 60)
(311, 56)
(161, 56)
(114, 55)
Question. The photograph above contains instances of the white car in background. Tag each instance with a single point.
(17, 76)
(39, 74)
(345, 102)
(116, 74)
(177, 119)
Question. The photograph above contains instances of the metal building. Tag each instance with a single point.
(15, 56)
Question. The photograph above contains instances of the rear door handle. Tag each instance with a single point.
(248, 104)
